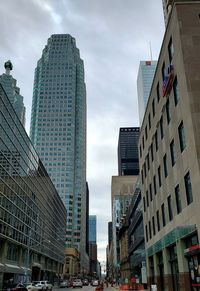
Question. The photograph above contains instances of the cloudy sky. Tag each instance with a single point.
(113, 36)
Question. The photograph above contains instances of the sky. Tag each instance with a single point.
(113, 36)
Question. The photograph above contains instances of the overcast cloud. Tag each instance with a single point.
(113, 36)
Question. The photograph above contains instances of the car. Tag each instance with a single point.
(30, 286)
(64, 284)
(43, 285)
(77, 283)
(95, 283)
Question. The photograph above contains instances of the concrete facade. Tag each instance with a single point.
(169, 148)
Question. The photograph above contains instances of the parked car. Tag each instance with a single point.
(30, 286)
(95, 283)
(40, 285)
(64, 284)
(77, 283)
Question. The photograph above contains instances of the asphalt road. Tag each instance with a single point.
(85, 288)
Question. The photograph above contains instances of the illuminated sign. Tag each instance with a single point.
(168, 80)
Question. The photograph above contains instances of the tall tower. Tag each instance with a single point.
(9, 85)
(128, 161)
(58, 130)
(144, 81)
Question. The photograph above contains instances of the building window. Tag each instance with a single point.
(154, 185)
(150, 229)
(153, 224)
(158, 92)
(152, 157)
(169, 202)
(150, 192)
(165, 165)
(147, 198)
(156, 140)
(158, 220)
(143, 142)
(148, 164)
(142, 176)
(153, 107)
(178, 199)
(146, 136)
(168, 112)
(161, 128)
(173, 153)
(145, 171)
(163, 72)
(144, 204)
(170, 50)
(188, 188)
(146, 230)
(159, 177)
(181, 133)
(176, 91)
(149, 118)
(163, 214)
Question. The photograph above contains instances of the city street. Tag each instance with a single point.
(85, 288)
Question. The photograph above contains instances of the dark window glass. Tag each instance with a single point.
(143, 142)
(154, 185)
(188, 188)
(144, 204)
(181, 133)
(156, 140)
(169, 201)
(173, 153)
(152, 157)
(150, 229)
(158, 92)
(168, 112)
(163, 72)
(148, 165)
(146, 230)
(153, 107)
(140, 152)
(147, 198)
(178, 199)
(142, 176)
(145, 171)
(153, 223)
(170, 50)
(161, 128)
(176, 91)
(159, 177)
(165, 165)
(149, 118)
(146, 136)
(150, 192)
(158, 220)
(163, 214)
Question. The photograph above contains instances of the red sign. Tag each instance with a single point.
(168, 80)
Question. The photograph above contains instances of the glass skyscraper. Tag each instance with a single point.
(9, 85)
(92, 228)
(58, 130)
(144, 81)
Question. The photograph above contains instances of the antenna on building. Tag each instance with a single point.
(150, 50)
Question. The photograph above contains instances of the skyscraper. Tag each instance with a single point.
(92, 228)
(9, 85)
(144, 81)
(128, 162)
(58, 130)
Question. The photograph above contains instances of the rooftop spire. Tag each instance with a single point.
(8, 66)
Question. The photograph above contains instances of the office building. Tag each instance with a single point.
(58, 130)
(128, 162)
(121, 194)
(32, 215)
(9, 85)
(92, 228)
(169, 157)
(144, 81)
